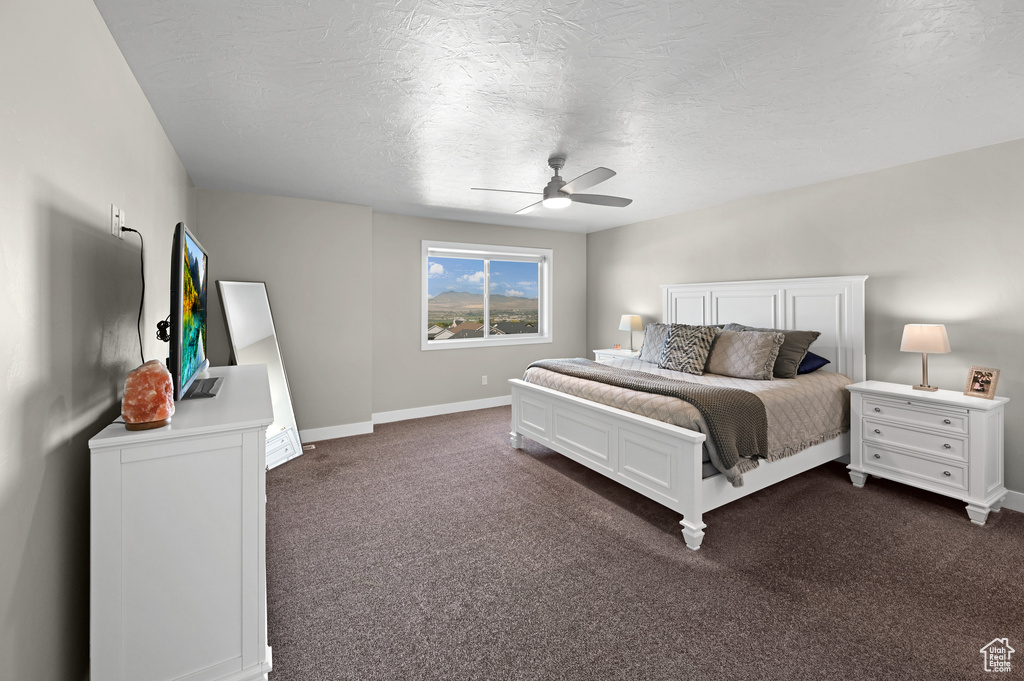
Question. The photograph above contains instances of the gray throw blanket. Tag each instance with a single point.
(736, 418)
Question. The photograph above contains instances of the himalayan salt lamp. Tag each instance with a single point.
(148, 397)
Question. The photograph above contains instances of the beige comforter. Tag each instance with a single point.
(802, 411)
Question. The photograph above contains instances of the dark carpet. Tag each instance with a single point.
(432, 550)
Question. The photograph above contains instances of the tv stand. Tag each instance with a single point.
(203, 387)
(178, 581)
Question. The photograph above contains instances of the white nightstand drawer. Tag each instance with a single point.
(953, 420)
(895, 465)
(936, 444)
(611, 354)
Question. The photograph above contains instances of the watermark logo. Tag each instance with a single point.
(997, 654)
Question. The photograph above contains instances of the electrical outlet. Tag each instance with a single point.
(120, 224)
(115, 221)
(483, 380)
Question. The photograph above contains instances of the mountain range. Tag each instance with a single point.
(461, 300)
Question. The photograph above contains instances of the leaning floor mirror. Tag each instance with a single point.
(254, 341)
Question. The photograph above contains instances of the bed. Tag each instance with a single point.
(665, 462)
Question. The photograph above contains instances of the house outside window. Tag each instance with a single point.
(478, 295)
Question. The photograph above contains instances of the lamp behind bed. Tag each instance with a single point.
(631, 323)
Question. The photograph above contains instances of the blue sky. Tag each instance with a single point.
(517, 279)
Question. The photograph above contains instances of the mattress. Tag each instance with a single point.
(801, 412)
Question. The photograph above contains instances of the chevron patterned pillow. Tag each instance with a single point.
(686, 348)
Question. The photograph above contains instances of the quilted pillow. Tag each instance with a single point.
(654, 342)
(686, 348)
(745, 354)
(794, 348)
(811, 362)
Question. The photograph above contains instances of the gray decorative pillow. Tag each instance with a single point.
(687, 347)
(745, 354)
(793, 350)
(654, 341)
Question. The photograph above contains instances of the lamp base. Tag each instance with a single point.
(929, 388)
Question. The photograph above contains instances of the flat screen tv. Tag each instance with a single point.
(188, 310)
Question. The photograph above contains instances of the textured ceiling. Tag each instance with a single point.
(404, 105)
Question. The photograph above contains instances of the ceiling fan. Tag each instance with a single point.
(559, 194)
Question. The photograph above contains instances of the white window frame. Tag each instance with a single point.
(544, 257)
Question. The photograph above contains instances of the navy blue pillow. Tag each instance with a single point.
(811, 362)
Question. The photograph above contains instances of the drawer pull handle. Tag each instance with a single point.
(878, 456)
(877, 431)
(947, 474)
(947, 422)
(878, 410)
(947, 446)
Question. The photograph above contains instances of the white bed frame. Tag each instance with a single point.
(662, 461)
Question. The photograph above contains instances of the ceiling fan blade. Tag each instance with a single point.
(601, 200)
(588, 180)
(507, 191)
(529, 208)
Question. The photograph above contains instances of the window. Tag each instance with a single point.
(477, 295)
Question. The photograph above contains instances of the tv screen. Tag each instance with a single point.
(188, 309)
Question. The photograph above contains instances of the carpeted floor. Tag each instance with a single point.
(432, 550)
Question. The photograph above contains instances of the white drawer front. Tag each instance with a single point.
(937, 444)
(897, 466)
(951, 419)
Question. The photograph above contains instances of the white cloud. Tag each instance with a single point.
(527, 283)
(476, 278)
(513, 292)
(436, 270)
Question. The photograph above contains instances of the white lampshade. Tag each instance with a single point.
(930, 338)
(630, 322)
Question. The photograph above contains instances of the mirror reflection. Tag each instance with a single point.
(254, 341)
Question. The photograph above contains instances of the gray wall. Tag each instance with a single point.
(942, 241)
(76, 134)
(344, 286)
(404, 376)
(315, 259)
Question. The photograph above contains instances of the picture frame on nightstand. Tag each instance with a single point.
(981, 382)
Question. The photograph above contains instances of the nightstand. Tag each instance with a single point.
(608, 354)
(942, 441)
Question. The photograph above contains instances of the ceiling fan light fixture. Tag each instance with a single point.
(556, 202)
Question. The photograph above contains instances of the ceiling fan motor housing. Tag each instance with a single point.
(553, 190)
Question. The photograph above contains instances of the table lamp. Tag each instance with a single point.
(925, 338)
(631, 323)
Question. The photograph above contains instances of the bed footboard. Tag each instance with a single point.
(658, 460)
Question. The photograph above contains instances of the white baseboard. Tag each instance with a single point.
(1014, 501)
(331, 432)
(439, 409)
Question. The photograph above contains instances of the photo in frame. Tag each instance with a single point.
(981, 382)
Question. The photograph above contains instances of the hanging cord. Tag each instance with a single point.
(142, 300)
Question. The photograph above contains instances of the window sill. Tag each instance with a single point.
(484, 342)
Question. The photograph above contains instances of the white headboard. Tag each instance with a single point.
(832, 305)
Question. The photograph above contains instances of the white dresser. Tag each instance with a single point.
(608, 354)
(178, 586)
(940, 441)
